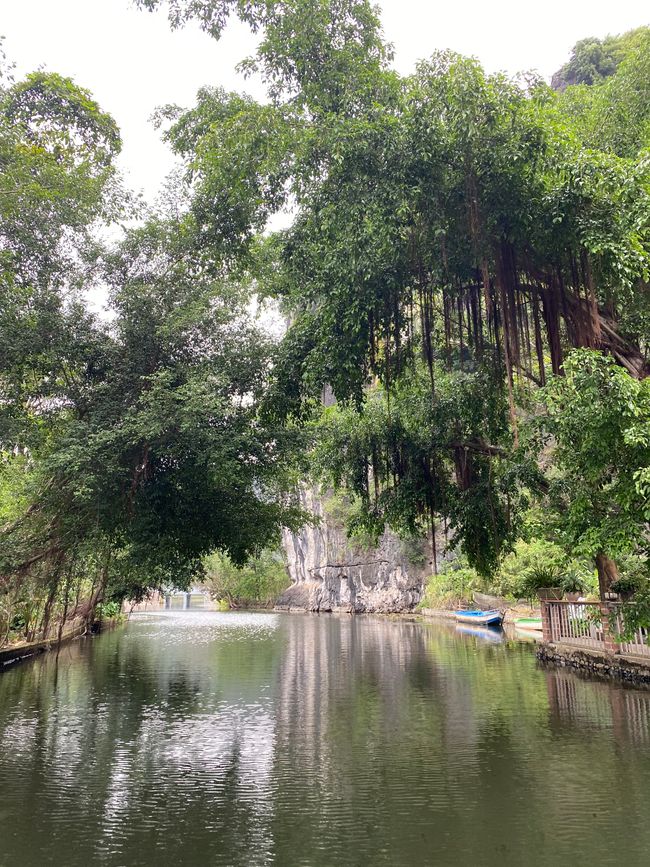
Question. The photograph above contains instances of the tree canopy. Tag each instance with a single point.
(451, 219)
(467, 271)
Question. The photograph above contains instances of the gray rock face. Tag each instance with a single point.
(329, 573)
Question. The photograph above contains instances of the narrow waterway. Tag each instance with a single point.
(196, 738)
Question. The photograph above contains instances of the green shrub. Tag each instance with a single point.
(540, 575)
(626, 584)
(531, 565)
(107, 610)
(539, 563)
(259, 582)
(634, 568)
(635, 614)
(453, 585)
(572, 581)
(634, 574)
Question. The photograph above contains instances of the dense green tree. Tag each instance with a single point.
(155, 449)
(319, 54)
(450, 218)
(130, 448)
(57, 180)
(57, 151)
(599, 420)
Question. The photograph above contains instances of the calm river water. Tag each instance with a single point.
(196, 738)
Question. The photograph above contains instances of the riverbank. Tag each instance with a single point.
(26, 650)
(511, 613)
(628, 668)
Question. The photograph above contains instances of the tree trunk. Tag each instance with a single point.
(607, 573)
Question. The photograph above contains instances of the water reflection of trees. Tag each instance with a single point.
(145, 745)
(397, 740)
(393, 729)
(315, 740)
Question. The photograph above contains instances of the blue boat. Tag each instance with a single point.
(485, 618)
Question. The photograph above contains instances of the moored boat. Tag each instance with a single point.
(529, 623)
(485, 618)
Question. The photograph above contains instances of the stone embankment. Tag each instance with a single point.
(588, 636)
(626, 668)
(16, 652)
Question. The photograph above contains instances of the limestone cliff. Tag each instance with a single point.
(329, 573)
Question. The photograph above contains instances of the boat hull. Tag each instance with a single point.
(482, 618)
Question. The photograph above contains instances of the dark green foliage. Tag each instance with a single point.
(599, 420)
(259, 581)
(597, 502)
(456, 236)
(448, 224)
(130, 450)
(159, 449)
(412, 458)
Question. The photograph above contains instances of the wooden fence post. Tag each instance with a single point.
(547, 635)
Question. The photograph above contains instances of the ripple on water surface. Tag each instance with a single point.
(247, 738)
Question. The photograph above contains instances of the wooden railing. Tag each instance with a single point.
(638, 644)
(579, 623)
(592, 625)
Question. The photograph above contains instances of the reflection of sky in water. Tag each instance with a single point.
(202, 627)
(186, 753)
(226, 751)
(244, 739)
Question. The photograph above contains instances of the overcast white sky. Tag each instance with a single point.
(132, 62)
